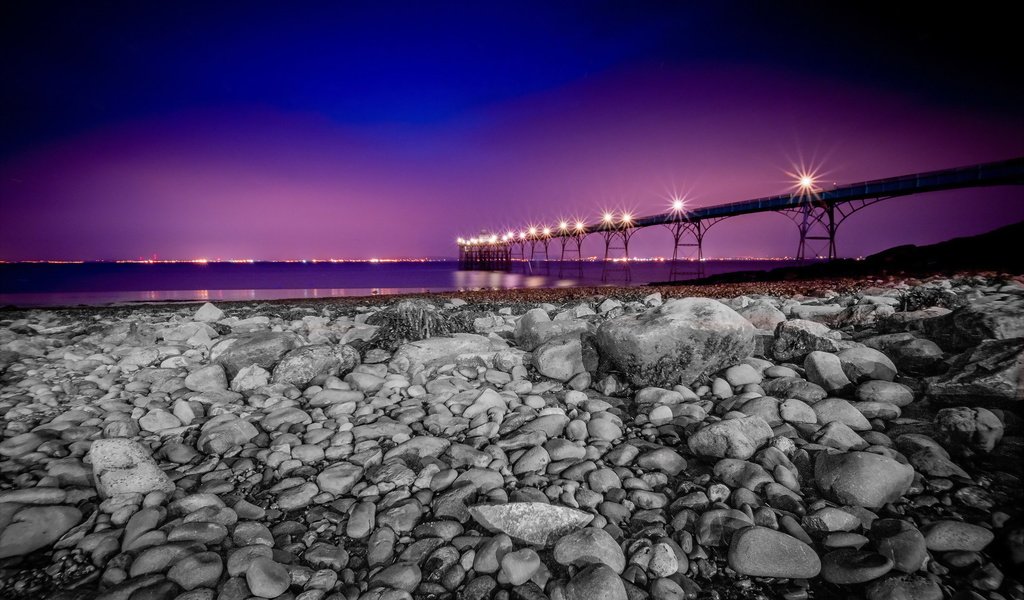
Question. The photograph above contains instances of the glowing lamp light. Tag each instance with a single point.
(627, 218)
(533, 231)
(547, 231)
(677, 204)
(494, 238)
(520, 235)
(563, 225)
(609, 217)
(579, 225)
(510, 235)
(806, 182)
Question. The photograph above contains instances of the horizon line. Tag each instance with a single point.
(206, 261)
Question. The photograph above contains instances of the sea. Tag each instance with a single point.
(106, 283)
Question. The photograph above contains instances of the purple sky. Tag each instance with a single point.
(251, 179)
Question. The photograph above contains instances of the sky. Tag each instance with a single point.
(387, 129)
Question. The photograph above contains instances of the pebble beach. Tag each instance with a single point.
(850, 438)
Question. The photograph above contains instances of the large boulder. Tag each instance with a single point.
(862, 478)
(676, 342)
(992, 371)
(123, 466)
(310, 365)
(970, 325)
(261, 348)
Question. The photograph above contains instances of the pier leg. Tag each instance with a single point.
(572, 249)
(616, 255)
(688, 250)
(817, 225)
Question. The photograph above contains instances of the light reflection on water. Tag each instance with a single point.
(104, 283)
(117, 297)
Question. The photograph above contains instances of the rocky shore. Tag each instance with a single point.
(862, 441)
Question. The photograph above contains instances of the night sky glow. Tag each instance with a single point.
(387, 129)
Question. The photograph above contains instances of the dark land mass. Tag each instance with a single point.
(992, 251)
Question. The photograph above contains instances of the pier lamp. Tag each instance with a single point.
(532, 231)
(627, 218)
(460, 241)
(547, 231)
(510, 235)
(678, 204)
(494, 239)
(563, 226)
(805, 182)
(580, 226)
(609, 218)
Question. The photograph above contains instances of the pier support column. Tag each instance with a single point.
(616, 254)
(817, 228)
(818, 222)
(572, 246)
(688, 248)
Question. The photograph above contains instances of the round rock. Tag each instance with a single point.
(596, 582)
(267, 578)
(590, 545)
(199, 570)
(948, 535)
(862, 478)
(763, 552)
(850, 566)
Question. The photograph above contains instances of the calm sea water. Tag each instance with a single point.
(107, 283)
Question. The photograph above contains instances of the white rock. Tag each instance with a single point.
(123, 466)
(208, 313)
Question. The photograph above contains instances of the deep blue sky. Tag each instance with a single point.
(90, 85)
